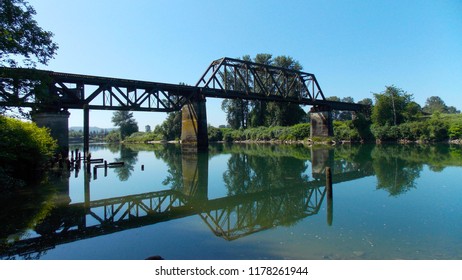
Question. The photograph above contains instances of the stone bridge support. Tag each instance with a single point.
(58, 123)
(321, 122)
(194, 125)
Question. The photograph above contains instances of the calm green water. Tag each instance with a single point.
(244, 202)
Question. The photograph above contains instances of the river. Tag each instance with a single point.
(243, 201)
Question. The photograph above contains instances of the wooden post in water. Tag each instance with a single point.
(95, 173)
(330, 204)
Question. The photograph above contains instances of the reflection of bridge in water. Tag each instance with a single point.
(229, 217)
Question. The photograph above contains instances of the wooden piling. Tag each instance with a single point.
(329, 194)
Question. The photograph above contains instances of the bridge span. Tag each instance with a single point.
(50, 95)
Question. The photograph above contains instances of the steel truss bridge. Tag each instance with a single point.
(224, 78)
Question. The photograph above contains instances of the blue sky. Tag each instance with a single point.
(355, 48)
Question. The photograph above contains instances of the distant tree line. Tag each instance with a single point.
(393, 116)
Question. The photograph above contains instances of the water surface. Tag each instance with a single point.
(243, 202)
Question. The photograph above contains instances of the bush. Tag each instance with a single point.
(214, 134)
(455, 131)
(300, 131)
(23, 147)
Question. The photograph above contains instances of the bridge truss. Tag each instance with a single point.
(224, 78)
(54, 90)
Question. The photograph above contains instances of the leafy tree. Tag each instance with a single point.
(258, 113)
(366, 101)
(412, 111)
(283, 113)
(22, 43)
(24, 148)
(243, 113)
(237, 112)
(171, 127)
(126, 123)
(346, 115)
(452, 110)
(20, 36)
(390, 106)
(435, 104)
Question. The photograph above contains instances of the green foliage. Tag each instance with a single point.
(435, 104)
(170, 129)
(214, 134)
(390, 106)
(344, 130)
(126, 123)
(237, 112)
(245, 114)
(274, 133)
(23, 147)
(144, 137)
(20, 36)
(438, 128)
(113, 136)
(455, 130)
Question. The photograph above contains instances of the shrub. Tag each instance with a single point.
(455, 130)
(23, 147)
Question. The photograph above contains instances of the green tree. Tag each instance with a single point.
(244, 113)
(126, 123)
(171, 127)
(21, 37)
(283, 113)
(435, 104)
(22, 43)
(412, 111)
(237, 112)
(24, 149)
(259, 114)
(390, 106)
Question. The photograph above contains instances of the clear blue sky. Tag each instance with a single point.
(355, 48)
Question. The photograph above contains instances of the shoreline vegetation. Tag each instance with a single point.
(438, 128)
(26, 150)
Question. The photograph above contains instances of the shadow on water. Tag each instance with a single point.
(267, 186)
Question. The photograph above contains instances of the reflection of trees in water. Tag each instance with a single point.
(171, 155)
(25, 208)
(398, 166)
(249, 173)
(395, 173)
(130, 158)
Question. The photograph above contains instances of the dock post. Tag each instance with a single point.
(329, 194)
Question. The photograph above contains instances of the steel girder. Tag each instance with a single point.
(37, 88)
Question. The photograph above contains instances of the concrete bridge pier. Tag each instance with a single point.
(321, 122)
(58, 123)
(194, 125)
